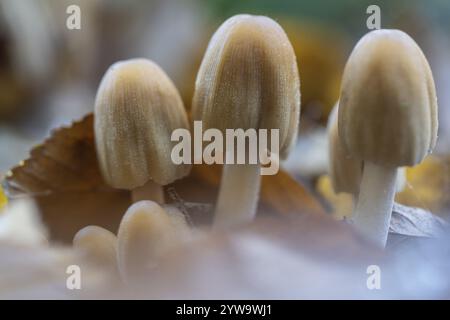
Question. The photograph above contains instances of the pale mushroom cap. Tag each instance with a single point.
(249, 79)
(97, 244)
(136, 110)
(146, 232)
(388, 104)
(345, 171)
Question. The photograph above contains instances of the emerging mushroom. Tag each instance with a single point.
(248, 79)
(387, 119)
(136, 109)
(98, 245)
(146, 232)
(345, 171)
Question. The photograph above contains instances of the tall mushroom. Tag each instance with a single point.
(387, 118)
(248, 79)
(136, 109)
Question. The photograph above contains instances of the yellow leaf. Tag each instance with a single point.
(342, 203)
(3, 199)
(427, 185)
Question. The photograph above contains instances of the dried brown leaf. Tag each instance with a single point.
(64, 162)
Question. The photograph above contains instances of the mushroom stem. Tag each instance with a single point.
(238, 195)
(376, 197)
(149, 191)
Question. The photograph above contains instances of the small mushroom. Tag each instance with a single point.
(387, 119)
(136, 109)
(248, 79)
(147, 232)
(98, 245)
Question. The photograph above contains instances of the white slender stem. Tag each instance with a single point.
(238, 195)
(373, 210)
(149, 191)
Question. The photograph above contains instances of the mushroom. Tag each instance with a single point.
(387, 119)
(98, 245)
(136, 109)
(345, 171)
(248, 79)
(146, 232)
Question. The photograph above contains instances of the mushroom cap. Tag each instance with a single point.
(97, 244)
(136, 109)
(345, 171)
(146, 232)
(388, 104)
(249, 79)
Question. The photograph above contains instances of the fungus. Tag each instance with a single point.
(387, 119)
(248, 79)
(136, 109)
(97, 244)
(146, 232)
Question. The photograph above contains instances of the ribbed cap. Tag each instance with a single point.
(249, 79)
(388, 105)
(136, 109)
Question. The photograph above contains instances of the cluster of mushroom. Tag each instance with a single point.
(386, 119)
(248, 79)
(146, 232)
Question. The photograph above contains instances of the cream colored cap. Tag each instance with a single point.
(145, 234)
(249, 79)
(388, 105)
(97, 244)
(136, 109)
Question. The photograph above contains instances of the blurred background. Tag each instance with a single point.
(49, 74)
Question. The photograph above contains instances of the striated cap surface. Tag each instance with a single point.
(249, 79)
(388, 104)
(136, 109)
